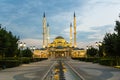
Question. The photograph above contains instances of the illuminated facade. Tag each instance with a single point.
(59, 48)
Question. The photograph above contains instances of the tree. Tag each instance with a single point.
(117, 39)
(27, 53)
(8, 43)
(117, 28)
(92, 51)
(108, 44)
(112, 43)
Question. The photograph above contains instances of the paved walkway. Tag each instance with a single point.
(70, 75)
(90, 71)
(33, 71)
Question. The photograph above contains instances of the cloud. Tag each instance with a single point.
(85, 44)
(96, 14)
(32, 42)
(94, 18)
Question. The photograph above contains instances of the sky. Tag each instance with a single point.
(94, 18)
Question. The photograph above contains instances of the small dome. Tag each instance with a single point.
(59, 47)
(59, 37)
(76, 48)
(42, 48)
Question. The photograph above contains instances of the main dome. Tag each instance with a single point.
(59, 37)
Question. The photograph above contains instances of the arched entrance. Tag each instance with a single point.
(60, 54)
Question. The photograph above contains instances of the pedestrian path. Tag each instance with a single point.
(92, 71)
(70, 75)
(32, 71)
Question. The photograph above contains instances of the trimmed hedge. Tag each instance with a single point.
(108, 62)
(82, 59)
(9, 63)
(13, 62)
(90, 59)
(39, 59)
(25, 60)
(76, 58)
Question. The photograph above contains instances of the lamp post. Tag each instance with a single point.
(99, 45)
(88, 50)
(32, 48)
(21, 46)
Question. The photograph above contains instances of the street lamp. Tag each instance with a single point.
(99, 45)
(88, 49)
(32, 48)
(21, 46)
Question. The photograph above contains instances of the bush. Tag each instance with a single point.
(92, 59)
(39, 59)
(11, 58)
(75, 58)
(9, 63)
(25, 60)
(89, 59)
(43, 58)
(82, 59)
(107, 62)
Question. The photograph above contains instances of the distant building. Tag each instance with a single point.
(59, 47)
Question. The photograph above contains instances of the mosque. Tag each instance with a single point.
(59, 47)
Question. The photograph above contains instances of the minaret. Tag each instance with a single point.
(70, 34)
(44, 30)
(48, 36)
(74, 22)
